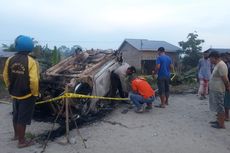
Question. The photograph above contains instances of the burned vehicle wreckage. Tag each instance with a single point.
(99, 73)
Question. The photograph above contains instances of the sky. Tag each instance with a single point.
(105, 24)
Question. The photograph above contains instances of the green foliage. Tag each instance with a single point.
(56, 56)
(151, 81)
(65, 52)
(191, 49)
(30, 136)
(45, 56)
(188, 77)
(9, 48)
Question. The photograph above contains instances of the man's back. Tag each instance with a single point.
(142, 87)
(204, 69)
(164, 61)
(21, 75)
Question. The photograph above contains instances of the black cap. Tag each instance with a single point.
(214, 54)
(161, 49)
(130, 70)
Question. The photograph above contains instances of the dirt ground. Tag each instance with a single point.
(180, 128)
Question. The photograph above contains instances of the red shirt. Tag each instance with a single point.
(142, 87)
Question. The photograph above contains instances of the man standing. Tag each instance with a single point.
(204, 73)
(21, 76)
(226, 58)
(142, 93)
(163, 66)
(218, 84)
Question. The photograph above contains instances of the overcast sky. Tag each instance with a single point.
(106, 23)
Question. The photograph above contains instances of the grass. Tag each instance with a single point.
(29, 135)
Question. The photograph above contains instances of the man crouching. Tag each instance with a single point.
(142, 93)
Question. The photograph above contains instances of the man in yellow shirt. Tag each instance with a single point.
(21, 76)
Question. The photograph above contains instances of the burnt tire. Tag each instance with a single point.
(82, 105)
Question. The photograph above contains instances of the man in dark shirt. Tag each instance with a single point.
(21, 76)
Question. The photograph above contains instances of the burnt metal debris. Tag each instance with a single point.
(86, 73)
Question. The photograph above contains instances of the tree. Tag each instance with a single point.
(10, 48)
(55, 56)
(64, 51)
(191, 50)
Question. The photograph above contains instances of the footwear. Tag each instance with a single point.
(217, 126)
(220, 120)
(140, 110)
(213, 122)
(26, 144)
(149, 106)
(160, 106)
(201, 98)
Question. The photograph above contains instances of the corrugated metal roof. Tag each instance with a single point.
(5, 53)
(151, 45)
(220, 50)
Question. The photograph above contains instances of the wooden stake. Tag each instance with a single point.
(67, 114)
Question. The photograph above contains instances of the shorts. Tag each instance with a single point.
(23, 110)
(216, 101)
(163, 86)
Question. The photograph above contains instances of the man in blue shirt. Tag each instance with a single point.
(204, 74)
(163, 66)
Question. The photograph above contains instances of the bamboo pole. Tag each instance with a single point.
(67, 114)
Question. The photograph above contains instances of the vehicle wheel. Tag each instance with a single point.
(82, 105)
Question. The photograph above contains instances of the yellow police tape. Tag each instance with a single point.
(72, 95)
(174, 75)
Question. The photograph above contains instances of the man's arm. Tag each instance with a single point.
(226, 82)
(223, 71)
(198, 66)
(34, 76)
(5, 73)
(156, 69)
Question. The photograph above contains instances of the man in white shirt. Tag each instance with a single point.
(218, 84)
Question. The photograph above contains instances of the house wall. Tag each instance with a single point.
(134, 57)
(131, 55)
(148, 55)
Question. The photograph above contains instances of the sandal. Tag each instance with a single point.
(26, 144)
(217, 126)
(213, 122)
(160, 106)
